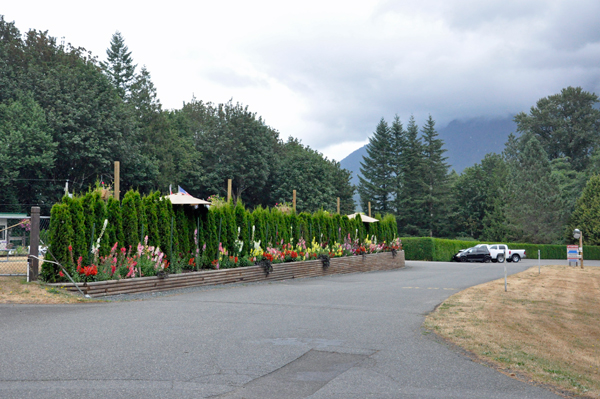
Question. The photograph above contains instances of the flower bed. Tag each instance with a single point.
(280, 271)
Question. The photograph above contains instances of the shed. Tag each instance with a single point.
(7, 220)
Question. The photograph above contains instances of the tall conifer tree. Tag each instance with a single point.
(410, 213)
(376, 171)
(436, 188)
(119, 65)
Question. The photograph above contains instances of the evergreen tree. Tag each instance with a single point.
(565, 124)
(398, 136)
(376, 171)
(410, 214)
(61, 237)
(534, 210)
(130, 220)
(586, 216)
(435, 177)
(119, 66)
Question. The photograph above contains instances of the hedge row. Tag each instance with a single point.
(437, 249)
(77, 223)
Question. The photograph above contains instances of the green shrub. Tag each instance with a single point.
(437, 249)
(61, 237)
(130, 220)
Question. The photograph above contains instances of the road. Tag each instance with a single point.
(344, 336)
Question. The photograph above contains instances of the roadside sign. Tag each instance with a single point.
(573, 253)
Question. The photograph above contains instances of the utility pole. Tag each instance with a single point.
(117, 187)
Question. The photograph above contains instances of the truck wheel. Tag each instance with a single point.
(516, 258)
(500, 258)
(487, 259)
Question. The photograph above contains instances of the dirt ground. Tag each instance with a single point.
(17, 290)
(545, 329)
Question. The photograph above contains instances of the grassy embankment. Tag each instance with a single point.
(545, 329)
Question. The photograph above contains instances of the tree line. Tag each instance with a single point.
(65, 116)
(538, 189)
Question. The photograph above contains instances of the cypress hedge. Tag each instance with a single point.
(438, 249)
(152, 215)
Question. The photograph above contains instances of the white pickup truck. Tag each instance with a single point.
(501, 252)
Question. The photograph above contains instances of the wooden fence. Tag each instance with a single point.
(281, 271)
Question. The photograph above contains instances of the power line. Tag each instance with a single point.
(56, 180)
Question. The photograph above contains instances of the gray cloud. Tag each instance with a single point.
(467, 59)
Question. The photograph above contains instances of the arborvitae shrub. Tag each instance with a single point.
(80, 247)
(212, 243)
(229, 228)
(258, 216)
(241, 221)
(130, 220)
(115, 222)
(248, 238)
(100, 217)
(61, 236)
(91, 230)
(139, 210)
(359, 225)
(337, 231)
(164, 225)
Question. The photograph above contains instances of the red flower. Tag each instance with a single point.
(70, 248)
(60, 273)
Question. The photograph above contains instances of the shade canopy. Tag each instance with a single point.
(185, 199)
(364, 218)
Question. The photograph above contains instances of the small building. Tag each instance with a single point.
(6, 238)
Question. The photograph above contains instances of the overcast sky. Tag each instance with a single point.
(327, 71)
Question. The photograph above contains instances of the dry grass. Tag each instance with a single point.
(545, 329)
(17, 290)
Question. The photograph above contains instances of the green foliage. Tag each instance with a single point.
(115, 222)
(119, 66)
(61, 237)
(586, 216)
(541, 216)
(565, 124)
(130, 220)
(80, 244)
(410, 203)
(317, 181)
(212, 243)
(376, 172)
(436, 183)
(182, 243)
(229, 235)
(436, 249)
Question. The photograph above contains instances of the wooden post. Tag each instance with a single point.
(34, 243)
(294, 199)
(228, 190)
(369, 208)
(117, 186)
(581, 248)
(338, 205)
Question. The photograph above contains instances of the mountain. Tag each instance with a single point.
(467, 142)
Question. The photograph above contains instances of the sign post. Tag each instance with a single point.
(573, 254)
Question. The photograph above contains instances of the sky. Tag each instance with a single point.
(326, 72)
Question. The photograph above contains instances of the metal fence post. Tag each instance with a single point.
(34, 245)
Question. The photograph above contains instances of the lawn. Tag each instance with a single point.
(545, 329)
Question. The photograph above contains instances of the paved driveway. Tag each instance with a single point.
(345, 336)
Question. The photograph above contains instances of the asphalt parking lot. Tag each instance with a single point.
(343, 336)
